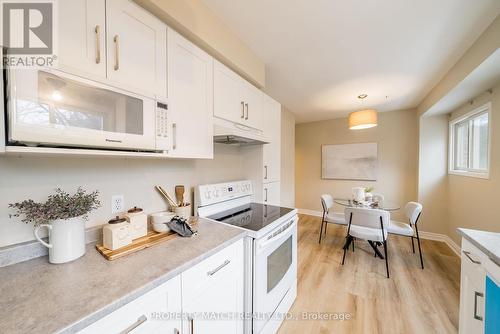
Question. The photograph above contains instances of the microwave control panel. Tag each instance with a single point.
(162, 142)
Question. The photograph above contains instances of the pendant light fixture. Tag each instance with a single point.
(363, 119)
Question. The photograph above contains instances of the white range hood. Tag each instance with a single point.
(226, 132)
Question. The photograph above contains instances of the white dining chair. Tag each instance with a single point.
(329, 217)
(370, 225)
(412, 212)
(378, 198)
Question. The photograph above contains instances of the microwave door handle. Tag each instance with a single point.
(174, 136)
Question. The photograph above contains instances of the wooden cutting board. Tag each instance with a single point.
(150, 239)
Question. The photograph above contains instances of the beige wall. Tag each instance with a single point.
(194, 19)
(287, 158)
(396, 136)
(36, 177)
(473, 202)
(433, 173)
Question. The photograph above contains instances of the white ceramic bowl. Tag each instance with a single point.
(159, 219)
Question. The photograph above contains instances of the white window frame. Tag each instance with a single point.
(486, 108)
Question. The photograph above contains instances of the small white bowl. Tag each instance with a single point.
(159, 219)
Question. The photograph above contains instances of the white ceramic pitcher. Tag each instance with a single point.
(66, 239)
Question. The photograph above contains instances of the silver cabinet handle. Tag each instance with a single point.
(116, 39)
(174, 136)
(176, 331)
(470, 258)
(214, 271)
(265, 170)
(142, 319)
(242, 109)
(477, 294)
(265, 190)
(97, 44)
(246, 106)
(191, 325)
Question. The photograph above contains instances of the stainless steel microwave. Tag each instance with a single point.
(48, 107)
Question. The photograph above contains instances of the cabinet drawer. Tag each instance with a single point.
(137, 316)
(472, 253)
(204, 273)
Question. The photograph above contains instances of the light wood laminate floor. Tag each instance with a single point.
(412, 300)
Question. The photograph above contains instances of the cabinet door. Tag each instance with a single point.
(82, 37)
(272, 193)
(229, 103)
(254, 115)
(472, 289)
(136, 48)
(272, 133)
(154, 312)
(213, 293)
(190, 73)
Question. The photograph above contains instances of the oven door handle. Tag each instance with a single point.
(280, 235)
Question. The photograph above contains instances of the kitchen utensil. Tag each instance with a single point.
(179, 194)
(165, 195)
(183, 211)
(116, 234)
(138, 222)
(181, 227)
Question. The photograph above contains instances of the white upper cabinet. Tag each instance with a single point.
(272, 134)
(272, 193)
(254, 116)
(136, 48)
(190, 91)
(235, 99)
(82, 36)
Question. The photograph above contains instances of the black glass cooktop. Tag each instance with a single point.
(253, 216)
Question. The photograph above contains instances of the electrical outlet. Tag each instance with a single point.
(117, 204)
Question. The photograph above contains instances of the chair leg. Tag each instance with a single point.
(412, 245)
(346, 247)
(321, 227)
(321, 230)
(353, 244)
(386, 260)
(419, 249)
(326, 225)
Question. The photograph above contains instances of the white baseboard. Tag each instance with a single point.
(310, 212)
(424, 235)
(443, 238)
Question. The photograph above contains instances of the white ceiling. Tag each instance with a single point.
(321, 54)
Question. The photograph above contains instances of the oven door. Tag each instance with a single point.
(275, 270)
(52, 108)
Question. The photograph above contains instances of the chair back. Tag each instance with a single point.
(326, 202)
(367, 217)
(378, 198)
(412, 210)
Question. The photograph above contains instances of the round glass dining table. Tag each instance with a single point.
(385, 205)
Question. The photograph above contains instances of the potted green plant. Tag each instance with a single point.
(64, 216)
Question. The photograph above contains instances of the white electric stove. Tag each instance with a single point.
(270, 249)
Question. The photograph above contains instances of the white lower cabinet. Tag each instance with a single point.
(212, 293)
(472, 289)
(271, 193)
(154, 312)
(206, 298)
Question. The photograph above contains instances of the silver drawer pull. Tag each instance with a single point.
(142, 319)
(242, 109)
(477, 294)
(97, 31)
(212, 272)
(470, 258)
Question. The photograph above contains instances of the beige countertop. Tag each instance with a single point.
(38, 297)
